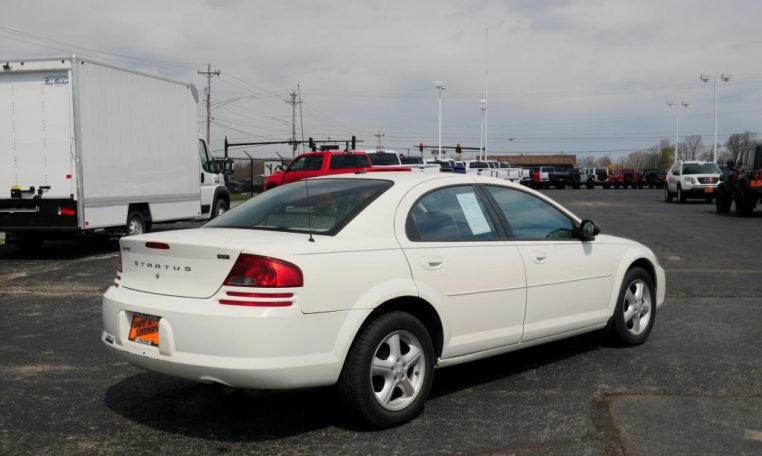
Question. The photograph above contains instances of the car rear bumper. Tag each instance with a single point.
(247, 347)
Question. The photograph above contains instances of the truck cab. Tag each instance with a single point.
(215, 197)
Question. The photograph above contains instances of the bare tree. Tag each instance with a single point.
(693, 146)
(738, 142)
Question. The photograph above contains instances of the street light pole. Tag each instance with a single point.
(440, 88)
(677, 122)
(705, 78)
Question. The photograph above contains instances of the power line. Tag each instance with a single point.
(209, 74)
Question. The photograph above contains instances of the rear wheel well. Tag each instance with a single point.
(144, 210)
(416, 307)
(645, 265)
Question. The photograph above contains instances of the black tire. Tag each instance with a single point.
(136, 224)
(356, 384)
(680, 195)
(621, 331)
(667, 194)
(220, 207)
(723, 201)
(744, 204)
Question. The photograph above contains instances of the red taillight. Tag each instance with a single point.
(67, 210)
(264, 272)
(157, 245)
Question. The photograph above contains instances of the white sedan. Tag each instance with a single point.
(371, 281)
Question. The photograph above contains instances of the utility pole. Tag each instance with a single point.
(209, 74)
(379, 135)
(293, 102)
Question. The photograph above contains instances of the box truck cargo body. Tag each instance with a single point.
(85, 146)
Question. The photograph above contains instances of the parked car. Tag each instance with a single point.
(234, 186)
(302, 287)
(599, 176)
(560, 178)
(649, 178)
(541, 176)
(742, 183)
(623, 178)
(314, 164)
(692, 179)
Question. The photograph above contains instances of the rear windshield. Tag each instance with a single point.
(349, 161)
(383, 158)
(478, 165)
(411, 160)
(701, 168)
(331, 205)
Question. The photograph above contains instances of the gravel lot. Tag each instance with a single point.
(694, 388)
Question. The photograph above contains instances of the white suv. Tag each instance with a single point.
(692, 179)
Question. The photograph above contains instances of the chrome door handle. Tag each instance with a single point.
(432, 263)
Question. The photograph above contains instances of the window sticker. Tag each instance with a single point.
(473, 212)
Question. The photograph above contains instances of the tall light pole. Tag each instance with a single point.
(440, 88)
(677, 121)
(482, 135)
(706, 78)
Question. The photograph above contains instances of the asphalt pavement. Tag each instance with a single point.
(694, 388)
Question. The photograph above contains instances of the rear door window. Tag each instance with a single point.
(349, 161)
(454, 214)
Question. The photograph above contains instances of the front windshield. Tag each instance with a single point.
(383, 158)
(411, 160)
(701, 168)
(332, 203)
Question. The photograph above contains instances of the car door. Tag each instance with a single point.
(569, 282)
(210, 180)
(463, 263)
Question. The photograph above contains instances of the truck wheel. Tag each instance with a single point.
(722, 201)
(635, 310)
(388, 372)
(220, 207)
(744, 206)
(667, 194)
(136, 224)
(680, 195)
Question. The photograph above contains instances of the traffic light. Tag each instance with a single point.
(420, 147)
(354, 142)
(457, 148)
(312, 144)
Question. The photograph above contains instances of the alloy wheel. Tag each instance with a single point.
(637, 307)
(397, 370)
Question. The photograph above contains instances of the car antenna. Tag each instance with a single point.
(309, 219)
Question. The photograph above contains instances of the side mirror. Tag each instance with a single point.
(588, 229)
(229, 166)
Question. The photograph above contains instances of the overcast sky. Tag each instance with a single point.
(580, 77)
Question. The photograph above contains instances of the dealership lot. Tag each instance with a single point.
(694, 388)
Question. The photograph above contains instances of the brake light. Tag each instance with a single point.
(263, 272)
(157, 245)
(67, 210)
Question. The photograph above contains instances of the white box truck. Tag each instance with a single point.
(86, 146)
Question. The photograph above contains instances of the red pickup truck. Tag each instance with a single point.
(314, 164)
(624, 177)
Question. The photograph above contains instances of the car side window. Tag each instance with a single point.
(450, 214)
(349, 161)
(530, 217)
(307, 163)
